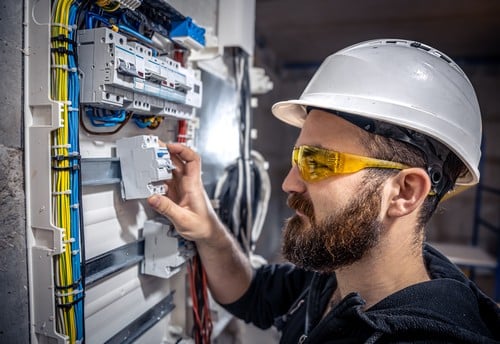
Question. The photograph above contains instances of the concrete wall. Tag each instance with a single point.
(14, 326)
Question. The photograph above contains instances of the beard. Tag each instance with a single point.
(340, 239)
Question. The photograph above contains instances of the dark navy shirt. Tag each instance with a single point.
(447, 309)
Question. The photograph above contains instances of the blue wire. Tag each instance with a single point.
(104, 118)
(141, 124)
(73, 92)
(89, 20)
(134, 33)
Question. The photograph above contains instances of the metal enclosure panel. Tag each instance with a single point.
(218, 136)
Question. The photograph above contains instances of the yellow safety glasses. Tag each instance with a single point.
(316, 163)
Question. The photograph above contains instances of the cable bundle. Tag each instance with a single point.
(65, 172)
(243, 191)
(202, 327)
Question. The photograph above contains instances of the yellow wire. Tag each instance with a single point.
(61, 180)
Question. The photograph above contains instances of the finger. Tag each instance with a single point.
(172, 192)
(179, 164)
(184, 152)
(165, 207)
(185, 157)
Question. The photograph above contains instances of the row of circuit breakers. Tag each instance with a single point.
(122, 75)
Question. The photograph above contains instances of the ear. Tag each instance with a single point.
(408, 188)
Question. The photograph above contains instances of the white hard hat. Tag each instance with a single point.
(400, 82)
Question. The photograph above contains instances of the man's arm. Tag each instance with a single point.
(188, 207)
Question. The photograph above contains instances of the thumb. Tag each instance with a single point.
(165, 206)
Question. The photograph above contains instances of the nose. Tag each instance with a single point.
(293, 182)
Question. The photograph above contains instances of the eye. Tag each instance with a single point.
(313, 163)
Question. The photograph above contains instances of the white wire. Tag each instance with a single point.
(265, 195)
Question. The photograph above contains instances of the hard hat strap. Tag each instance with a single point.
(435, 152)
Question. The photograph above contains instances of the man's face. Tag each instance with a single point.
(338, 240)
(337, 219)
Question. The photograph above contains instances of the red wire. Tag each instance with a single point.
(202, 329)
(182, 127)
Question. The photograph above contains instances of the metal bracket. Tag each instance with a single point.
(113, 261)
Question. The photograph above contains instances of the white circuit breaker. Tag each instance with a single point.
(164, 250)
(144, 166)
(122, 74)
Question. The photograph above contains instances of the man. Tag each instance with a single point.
(388, 128)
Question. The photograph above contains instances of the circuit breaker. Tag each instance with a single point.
(122, 74)
(165, 251)
(144, 166)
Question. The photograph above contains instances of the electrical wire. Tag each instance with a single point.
(202, 321)
(150, 122)
(235, 189)
(120, 126)
(262, 194)
(108, 5)
(198, 285)
(65, 171)
(182, 129)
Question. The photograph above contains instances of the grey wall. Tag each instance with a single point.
(455, 220)
(14, 326)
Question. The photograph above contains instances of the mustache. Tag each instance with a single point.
(302, 204)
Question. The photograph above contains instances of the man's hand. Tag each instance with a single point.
(187, 205)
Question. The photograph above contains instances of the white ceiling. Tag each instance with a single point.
(300, 33)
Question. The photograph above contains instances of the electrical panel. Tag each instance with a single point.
(107, 82)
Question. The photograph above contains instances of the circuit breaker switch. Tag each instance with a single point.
(144, 166)
(165, 251)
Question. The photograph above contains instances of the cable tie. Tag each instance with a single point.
(59, 193)
(65, 67)
(70, 304)
(70, 108)
(62, 50)
(75, 206)
(74, 292)
(70, 241)
(63, 38)
(75, 252)
(67, 145)
(70, 28)
(64, 102)
(66, 168)
(70, 156)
